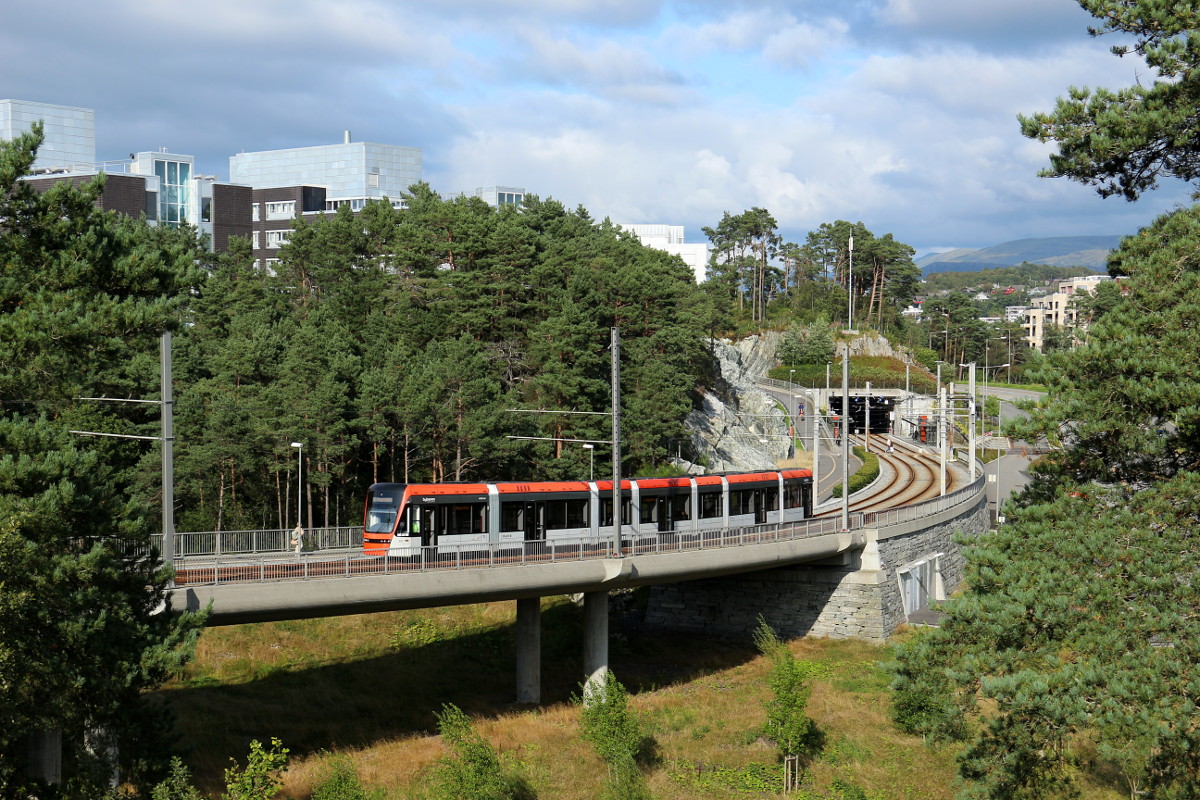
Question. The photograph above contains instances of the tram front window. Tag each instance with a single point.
(382, 507)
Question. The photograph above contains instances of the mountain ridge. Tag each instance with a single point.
(1060, 251)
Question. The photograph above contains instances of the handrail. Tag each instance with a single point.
(226, 568)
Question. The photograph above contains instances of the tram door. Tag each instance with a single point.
(760, 506)
(533, 519)
(428, 525)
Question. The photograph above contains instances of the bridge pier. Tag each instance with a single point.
(529, 650)
(595, 640)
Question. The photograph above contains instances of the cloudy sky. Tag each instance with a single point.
(897, 113)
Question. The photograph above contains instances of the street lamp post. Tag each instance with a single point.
(300, 482)
(850, 287)
(591, 448)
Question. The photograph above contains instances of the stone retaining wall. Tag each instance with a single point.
(853, 600)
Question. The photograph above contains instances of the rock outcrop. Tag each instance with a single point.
(872, 346)
(739, 427)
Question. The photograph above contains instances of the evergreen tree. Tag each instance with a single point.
(1080, 625)
(1123, 141)
(82, 628)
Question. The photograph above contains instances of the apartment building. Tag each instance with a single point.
(1057, 309)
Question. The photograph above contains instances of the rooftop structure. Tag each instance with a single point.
(351, 172)
(70, 132)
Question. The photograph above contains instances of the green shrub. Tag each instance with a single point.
(259, 780)
(474, 770)
(610, 727)
(341, 782)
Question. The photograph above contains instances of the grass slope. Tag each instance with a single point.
(367, 688)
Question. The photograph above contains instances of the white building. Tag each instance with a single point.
(669, 238)
(1056, 309)
(351, 172)
(500, 196)
(70, 133)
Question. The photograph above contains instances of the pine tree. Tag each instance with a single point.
(1123, 141)
(82, 629)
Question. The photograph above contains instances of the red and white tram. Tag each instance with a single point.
(401, 518)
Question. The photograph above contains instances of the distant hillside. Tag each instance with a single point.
(1059, 251)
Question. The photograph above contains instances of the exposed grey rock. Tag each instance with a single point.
(739, 426)
(872, 346)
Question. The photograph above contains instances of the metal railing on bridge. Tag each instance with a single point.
(278, 563)
(263, 540)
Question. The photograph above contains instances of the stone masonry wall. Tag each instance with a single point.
(838, 601)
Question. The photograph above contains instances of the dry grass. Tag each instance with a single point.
(368, 688)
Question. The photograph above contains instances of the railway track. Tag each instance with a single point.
(907, 475)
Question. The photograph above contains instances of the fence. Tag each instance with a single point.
(264, 540)
(275, 566)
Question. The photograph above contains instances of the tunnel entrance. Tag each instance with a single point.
(883, 413)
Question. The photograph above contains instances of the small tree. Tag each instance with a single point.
(787, 725)
(259, 780)
(474, 770)
(178, 784)
(791, 346)
(617, 737)
(818, 345)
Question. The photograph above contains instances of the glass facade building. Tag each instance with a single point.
(351, 172)
(70, 132)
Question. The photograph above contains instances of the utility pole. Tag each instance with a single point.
(943, 434)
(971, 417)
(616, 437)
(867, 418)
(846, 440)
(168, 452)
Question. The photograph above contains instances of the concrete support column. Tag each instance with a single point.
(529, 650)
(595, 641)
(45, 756)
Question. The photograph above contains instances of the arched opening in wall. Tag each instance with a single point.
(921, 583)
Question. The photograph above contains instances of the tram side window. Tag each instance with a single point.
(649, 509)
(512, 516)
(681, 507)
(773, 499)
(710, 505)
(563, 514)
(792, 496)
(466, 518)
(741, 501)
(606, 514)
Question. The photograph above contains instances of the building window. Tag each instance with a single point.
(255, 241)
(175, 187)
(281, 210)
(277, 238)
(206, 209)
(256, 212)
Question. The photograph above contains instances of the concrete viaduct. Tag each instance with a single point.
(861, 582)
